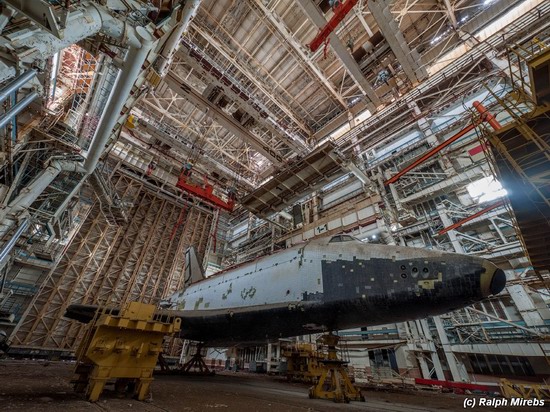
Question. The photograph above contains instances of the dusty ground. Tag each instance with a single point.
(43, 386)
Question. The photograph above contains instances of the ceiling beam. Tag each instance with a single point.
(409, 59)
(451, 13)
(313, 12)
(208, 161)
(230, 56)
(239, 163)
(298, 49)
(178, 85)
(249, 104)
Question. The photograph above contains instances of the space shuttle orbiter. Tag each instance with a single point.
(326, 284)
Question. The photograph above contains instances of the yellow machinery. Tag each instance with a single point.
(334, 382)
(122, 347)
(303, 362)
(511, 390)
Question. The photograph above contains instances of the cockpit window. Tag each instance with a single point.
(341, 238)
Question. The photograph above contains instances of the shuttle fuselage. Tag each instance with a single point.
(330, 284)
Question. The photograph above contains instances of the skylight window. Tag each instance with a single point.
(486, 189)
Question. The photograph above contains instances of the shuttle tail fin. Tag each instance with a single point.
(193, 270)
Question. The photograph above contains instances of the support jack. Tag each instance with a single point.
(196, 365)
(334, 382)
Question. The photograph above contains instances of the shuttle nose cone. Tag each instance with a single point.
(493, 279)
(497, 282)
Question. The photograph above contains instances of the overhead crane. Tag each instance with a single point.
(340, 12)
(205, 191)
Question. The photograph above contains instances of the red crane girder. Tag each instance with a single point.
(432, 152)
(485, 116)
(471, 217)
(205, 192)
(339, 13)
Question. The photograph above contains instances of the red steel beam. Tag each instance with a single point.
(485, 116)
(339, 13)
(458, 385)
(471, 217)
(432, 152)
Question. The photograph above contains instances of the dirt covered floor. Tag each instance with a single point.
(44, 386)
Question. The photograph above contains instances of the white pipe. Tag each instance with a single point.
(174, 41)
(126, 79)
(7, 247)
(17, 108)
(5, 17)
(81, 23)
(116, 28)
(16, 84)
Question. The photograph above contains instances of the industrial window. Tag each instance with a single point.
(500, 365)
(383, 358)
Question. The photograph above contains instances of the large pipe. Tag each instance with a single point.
(172, 45)
(83, 22)
(29, 194)
(123, 86)
(16, 84)
(7, 247)
(487, 116)
(15, 110)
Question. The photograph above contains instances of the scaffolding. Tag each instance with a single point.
(521, 151)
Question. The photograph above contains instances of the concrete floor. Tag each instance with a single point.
(44, 386)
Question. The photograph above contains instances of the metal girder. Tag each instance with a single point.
(178, 85)
(417, 162)
(296, 181)
(471, 217)
(358, 12)
(164, 137)
(451, 13)
(264, 89)
(117, 264)
(41, 13)
(234, 92)
(409, 59)
(442, 74)
(166, 114)
(341, 10)
(315, 15)
(297, 47)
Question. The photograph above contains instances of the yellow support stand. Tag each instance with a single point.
(124, 348)
(303, 362)
(511, 390)
(334, 383)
